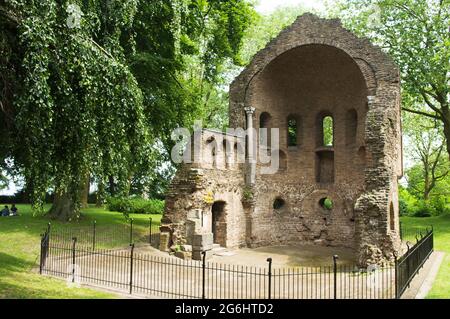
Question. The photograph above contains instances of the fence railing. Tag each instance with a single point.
(134, 272)
(97, 236)
(411, 235)
(413, 260)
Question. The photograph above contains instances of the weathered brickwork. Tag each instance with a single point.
(313, 69)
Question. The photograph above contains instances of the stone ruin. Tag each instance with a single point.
(314, 69)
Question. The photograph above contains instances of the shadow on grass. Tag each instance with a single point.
(9, 263)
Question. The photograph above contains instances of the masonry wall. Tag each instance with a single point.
(213, 178)
(313, 69)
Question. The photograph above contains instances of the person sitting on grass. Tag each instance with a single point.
(5, 211)
(14, 210)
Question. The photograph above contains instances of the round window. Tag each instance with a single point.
(326, 203)
(278, 203)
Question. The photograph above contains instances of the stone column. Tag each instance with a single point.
(251, 161)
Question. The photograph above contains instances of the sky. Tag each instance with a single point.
(268, 6)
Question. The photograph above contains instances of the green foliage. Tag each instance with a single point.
(135, 205)
(292, 132)
(102, 97)
(247, 194)
(3, 181)
(328, 204)
(267, 27)
(78, 108)
(415, 34)
(403, 207)
(412, 206)
(328, 131)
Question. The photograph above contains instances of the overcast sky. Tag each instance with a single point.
(267, 6)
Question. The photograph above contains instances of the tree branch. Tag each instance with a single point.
(421, 113)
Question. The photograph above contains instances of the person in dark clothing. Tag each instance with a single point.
(14, 210)
(5, 211)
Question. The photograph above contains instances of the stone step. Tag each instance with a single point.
(218, 249)
(215, 246)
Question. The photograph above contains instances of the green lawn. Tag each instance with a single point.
(19, 253)
(441, 225)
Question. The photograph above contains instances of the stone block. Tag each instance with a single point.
(187, 248)
(203, 241)
(164, 239)
(185, 255)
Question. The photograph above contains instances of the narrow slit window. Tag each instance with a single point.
(328, 131)
(292, 131)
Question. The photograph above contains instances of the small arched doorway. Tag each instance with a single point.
(219, 226)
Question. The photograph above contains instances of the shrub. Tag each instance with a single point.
(135, 205)
(423, 209)
(439, 203)
(403, 207)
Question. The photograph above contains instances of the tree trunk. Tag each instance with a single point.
(112, 186)
(100, 194)
(446, 120)
(84, 196)
(426, 186)
(63, 208)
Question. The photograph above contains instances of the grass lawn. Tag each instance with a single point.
(19, 253)
(441, 224)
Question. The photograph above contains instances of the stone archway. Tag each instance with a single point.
(219, 225)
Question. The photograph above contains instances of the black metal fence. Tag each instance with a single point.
(412, 261)
(408, 234)
(134, 272)
(97, 236)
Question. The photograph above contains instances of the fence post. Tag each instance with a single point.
(203, 274)
(396, 276)
(47, 234)
(74, 241)
(131, 231)
(131, 268)
(150, 232)
(335, 258)
(269, 260)
(42, 252)
(93, 235)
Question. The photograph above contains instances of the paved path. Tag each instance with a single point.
(423, 281)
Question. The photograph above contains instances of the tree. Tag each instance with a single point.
(184, 49)
(426, 149)
(3, 181)
(267, 27)
(96, 89)
(416, 34)
(77, 108)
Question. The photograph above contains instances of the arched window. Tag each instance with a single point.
(264, 132)
(328, 131)
(227, 153)
(211, 148)
(292, 131)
